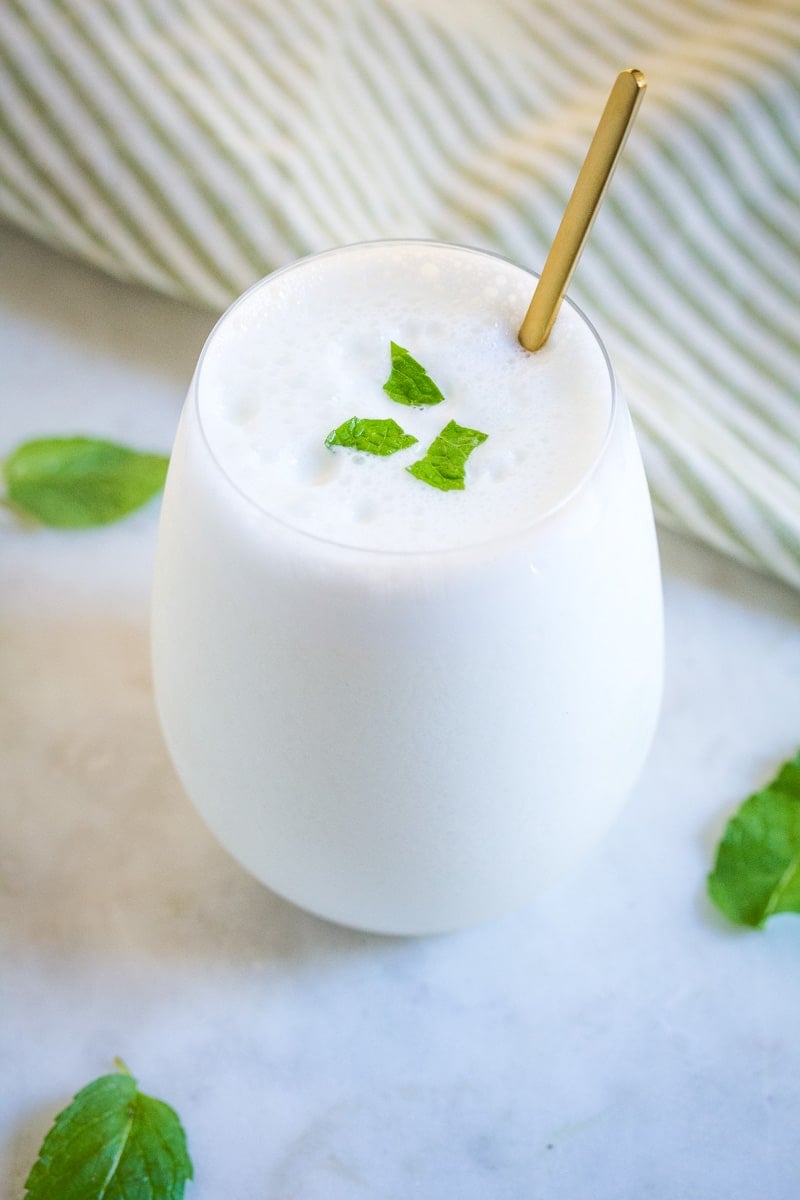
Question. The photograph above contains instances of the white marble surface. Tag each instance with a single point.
(616, 1040)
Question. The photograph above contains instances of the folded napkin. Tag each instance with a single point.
(194, 145)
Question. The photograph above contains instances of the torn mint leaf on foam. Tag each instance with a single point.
(445, 460)
(381, 437)
(409, 382)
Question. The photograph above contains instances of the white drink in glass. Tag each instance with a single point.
(404, 709)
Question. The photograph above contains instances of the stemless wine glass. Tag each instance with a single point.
(413, 741)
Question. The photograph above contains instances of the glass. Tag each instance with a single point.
(406, 742)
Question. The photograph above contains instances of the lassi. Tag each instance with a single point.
(403, 708)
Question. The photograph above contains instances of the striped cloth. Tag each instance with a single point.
(194, 145)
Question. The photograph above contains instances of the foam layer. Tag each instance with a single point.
(309, 348)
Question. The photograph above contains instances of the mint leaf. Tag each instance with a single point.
(409, 382)
(75, 482)
(446, 457)
(757, 868)
(374, 437)
(112, 1143)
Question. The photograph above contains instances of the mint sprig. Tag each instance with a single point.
(372, 436)
(409, 382)
(112, 1143)
(445, 460)
(77, 482)
(757, 869)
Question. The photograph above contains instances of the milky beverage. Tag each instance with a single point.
(402, 708)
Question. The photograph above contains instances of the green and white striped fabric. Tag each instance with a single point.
(194, 145)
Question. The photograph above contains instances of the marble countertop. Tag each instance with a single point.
(618, 1039)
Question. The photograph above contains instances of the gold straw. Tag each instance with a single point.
(587, 196)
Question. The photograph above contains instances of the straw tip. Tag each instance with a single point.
(638, 77)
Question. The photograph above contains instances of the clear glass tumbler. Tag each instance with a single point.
(406, 742)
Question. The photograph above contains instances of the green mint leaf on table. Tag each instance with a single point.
(409, 382)
(757, 869)
(112, 1143)
(76, 482)
(372, 436)
(446, 457)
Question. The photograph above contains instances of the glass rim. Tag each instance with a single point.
(494, 540)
